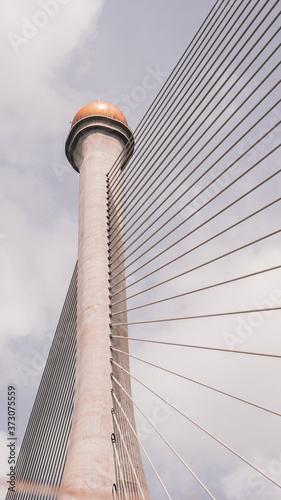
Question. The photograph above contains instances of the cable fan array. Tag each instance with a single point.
(196, 214)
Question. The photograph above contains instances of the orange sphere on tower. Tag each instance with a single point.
(100, 109)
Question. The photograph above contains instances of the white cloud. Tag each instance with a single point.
(38, 232)
(32, 255)
(29, 103)
(242, 484)
(38, 251)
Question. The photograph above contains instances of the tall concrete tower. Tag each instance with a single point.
(98, 134)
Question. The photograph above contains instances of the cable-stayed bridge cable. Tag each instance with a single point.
(140, 443)
(189, 116)
(207, 432)
(223, 50)
(199, 245)
(231, 351)
(224, 393)
(153, 109)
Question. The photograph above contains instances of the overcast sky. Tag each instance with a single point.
(120, 52)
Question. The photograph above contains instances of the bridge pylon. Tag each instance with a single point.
(98, 135)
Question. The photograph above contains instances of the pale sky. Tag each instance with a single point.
(120, 52)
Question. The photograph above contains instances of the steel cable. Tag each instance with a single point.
(199, 245)
(189, 116)
(224, 393)
(201, 162)
(219, 349)
(212, 436)
(247, 245)
(196, 290)
(213, 53)
(143, 449)
(173, 98)
(153, 107)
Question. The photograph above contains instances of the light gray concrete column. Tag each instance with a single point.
(93, 145)
(120, 316)
(89, 470)
(131, 484)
